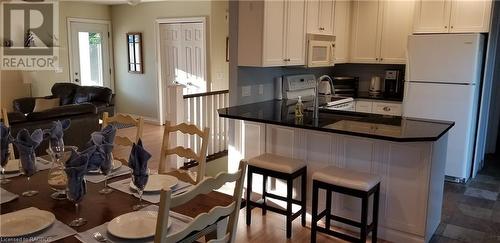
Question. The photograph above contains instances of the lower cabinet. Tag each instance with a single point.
(391, 108)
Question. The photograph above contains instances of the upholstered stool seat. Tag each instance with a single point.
(348, 182)
(283, 168)
(277, 163)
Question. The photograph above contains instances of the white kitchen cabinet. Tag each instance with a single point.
(320, 16)
(380, 31)
(363, 106)
(341, 30)
(391, 108)
(452, 16)
(271, 33)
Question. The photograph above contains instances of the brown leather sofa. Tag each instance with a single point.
(83, 105)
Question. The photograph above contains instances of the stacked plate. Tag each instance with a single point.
(24, 222)
(158, 182)
(135, 225)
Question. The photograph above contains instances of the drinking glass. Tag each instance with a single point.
(28, 172)
(140, 184)
(106, 168)
(57, 179)
(76, 199)
(4, 180)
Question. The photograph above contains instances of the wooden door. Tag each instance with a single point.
(397, 23)
(470, 16)
(365, 29)
(432, 16)
(341, 30)
(295, 40)
(274, 34)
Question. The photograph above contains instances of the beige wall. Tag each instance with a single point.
(138, 93)
(12, 87)
(42, 81)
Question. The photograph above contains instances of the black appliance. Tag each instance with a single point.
(393, 84)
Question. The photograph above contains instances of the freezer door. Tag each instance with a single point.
(450, 103)
(446, 58)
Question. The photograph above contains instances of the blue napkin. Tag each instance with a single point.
(5, 139)
(101, 158)
(56, 132)
(138, 162)
(26, 145)
(109, 133)
(76, 167)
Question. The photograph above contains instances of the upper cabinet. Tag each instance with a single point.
(342, 30)
(320, 16)
(271, 33)
(452, 16)
(380, 31)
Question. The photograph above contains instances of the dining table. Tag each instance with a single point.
(97, 208)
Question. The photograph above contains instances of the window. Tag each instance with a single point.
(134, 44)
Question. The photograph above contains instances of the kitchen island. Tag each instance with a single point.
(408, 153)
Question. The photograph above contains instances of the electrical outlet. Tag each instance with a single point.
(261, 89)
(246, 91)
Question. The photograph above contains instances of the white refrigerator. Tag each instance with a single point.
(443, 82)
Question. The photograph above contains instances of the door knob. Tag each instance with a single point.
(77, 80)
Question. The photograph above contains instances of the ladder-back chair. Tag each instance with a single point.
(125, 141)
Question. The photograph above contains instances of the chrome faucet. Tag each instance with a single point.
(316, 97)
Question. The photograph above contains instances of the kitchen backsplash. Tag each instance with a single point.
(257, 84)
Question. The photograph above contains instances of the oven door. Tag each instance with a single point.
(320, 53)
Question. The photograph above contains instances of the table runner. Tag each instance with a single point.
(124, 186)
(179, 221)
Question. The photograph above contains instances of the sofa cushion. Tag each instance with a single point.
(42, 104)
(64, 91)
(92, 94)
(63, 111)
(24, 105)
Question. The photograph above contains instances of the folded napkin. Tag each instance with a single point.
(102, 158)
(5, 139)
(138, 162)
(26, 145)
(76, 167)
(56, 132)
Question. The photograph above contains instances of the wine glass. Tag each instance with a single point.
(106, 167)
(28, 168)
(140, 182)
(76, 197)
(57, 178)
(4, 180)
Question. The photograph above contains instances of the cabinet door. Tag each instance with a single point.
(365, 25)
(397, 23)
(363, 106)
(470, 16)
(341, 30)
(312, 17)
(295, 32)
(326, 12)
(274, 33)
(432, 16)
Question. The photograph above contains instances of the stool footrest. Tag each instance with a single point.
(260, 204)
(270, 195)
(337, 234)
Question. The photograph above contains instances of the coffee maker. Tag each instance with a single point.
(393, 84)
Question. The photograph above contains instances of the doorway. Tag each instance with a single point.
(90, 56)
(183, 53)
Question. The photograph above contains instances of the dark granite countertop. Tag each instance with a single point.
(392, 128)
(366, 95)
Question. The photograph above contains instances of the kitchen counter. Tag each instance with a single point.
(391, 128)
(366, 95)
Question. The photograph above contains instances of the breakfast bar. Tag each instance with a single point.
(408, 154)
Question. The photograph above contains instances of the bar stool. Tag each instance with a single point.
(348, 182)
(279, 167)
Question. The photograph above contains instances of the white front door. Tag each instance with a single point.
(183, 55)
(90, 56)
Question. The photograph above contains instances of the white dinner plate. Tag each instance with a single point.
(135, 225)
(24, 222)
(12, 166)
(116, 165)
(157, 182)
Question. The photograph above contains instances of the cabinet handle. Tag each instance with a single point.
(286, 59)
(381, 59)
(451, 27)
(387, 108)
(321, 28)
(446, 27)
(376, 58)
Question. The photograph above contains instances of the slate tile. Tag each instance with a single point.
(454, 187)
(487, 179)
(462, 220)
(463, 234)
(477, 202)
(480, 193)
(484, 186)
(476, 212)
(442, 239)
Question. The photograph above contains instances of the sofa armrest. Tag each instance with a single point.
(63, 111)
(16, 117)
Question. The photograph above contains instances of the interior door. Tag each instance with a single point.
(183, 55)
(90, 55)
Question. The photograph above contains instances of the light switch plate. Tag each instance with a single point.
(246, 91)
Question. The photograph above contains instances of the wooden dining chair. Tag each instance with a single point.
(125, 141)
(200, 156)
(5, 120)
(203, 220)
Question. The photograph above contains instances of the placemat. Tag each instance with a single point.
(98, 178)
(124, 186)
(6, 196)
(41, 164)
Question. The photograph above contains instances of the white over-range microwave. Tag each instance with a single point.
(320, 50)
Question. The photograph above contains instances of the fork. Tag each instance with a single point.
(99, 237)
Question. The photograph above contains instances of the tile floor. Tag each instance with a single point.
(471, 212)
